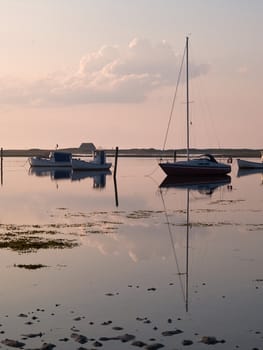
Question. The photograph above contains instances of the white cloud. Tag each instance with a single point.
(110, 75)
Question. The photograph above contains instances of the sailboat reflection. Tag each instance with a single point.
(203, 185)
(245, 172)
(60, 173)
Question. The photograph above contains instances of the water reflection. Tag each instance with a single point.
(203, 185)
(60, 173)
(246, 172)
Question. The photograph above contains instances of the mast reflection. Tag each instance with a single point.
(204, 185)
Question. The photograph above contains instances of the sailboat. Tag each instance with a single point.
(202, 166)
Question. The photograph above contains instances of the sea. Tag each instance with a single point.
(89, 260)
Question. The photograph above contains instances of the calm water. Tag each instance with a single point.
(162, 259)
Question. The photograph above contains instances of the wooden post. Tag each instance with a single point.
(1, 155)
(174, 156)
(116, 192)
(114, 176)
(116, 161)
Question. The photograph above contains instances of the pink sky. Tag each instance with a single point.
(66, 79)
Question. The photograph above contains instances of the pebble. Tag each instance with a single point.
(82, 339)
(187, 342)
(126, 337)
(32, 335)
(97, 344)
(155, 346)
(170, 333)
(116, 328)
(47, 346)
(138, 343)
(12, 343)
(209, 340)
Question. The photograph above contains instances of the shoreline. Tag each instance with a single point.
(140, 152)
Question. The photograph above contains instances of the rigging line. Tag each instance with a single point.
(173, 103)
(153, 171)
(173, 247)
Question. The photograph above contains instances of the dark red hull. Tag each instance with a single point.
(174, 169)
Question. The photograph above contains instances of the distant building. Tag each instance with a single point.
(87, 147)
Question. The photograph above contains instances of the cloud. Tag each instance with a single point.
(242, 69)
(110, 75)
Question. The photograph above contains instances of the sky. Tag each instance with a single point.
(105, 71)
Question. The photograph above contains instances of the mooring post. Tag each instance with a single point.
(1, 155)
(116, 161)
(174, 155)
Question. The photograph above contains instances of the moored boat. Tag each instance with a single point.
(55, 159)
(205, 165)
(246, 164)
(97, 163)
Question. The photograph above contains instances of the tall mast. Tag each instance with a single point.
(187, 98)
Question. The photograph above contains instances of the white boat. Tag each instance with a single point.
(97, 163)
(246, 164)
(205, 165)
(55, 159)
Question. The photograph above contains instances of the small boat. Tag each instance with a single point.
(55, 159)
(203, 166)
(98, 162)
(246, 164)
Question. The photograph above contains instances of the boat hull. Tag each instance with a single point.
(46, 162)
(180, 169)
(79, 164)
(245, 164)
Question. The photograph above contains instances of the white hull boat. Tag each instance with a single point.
(203, 166)
(246, 164)
(55, 159)
(98, 163)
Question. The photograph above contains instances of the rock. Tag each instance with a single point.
(97, 344)
(138, 343)
(47, 346)
(106, 323)
(170, 333)
(116, 328)
(209, 340)
(187, 342)
(147, 321)
(32, 335)
(82, 339)
(126, 337)
(22, 315)
(154, 346)
(12, 343)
